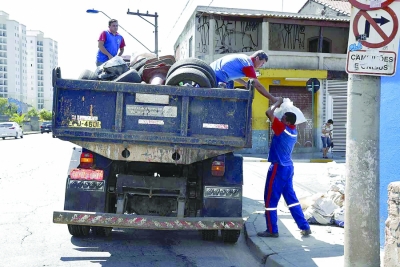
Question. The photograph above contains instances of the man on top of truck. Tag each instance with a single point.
(109, 43)
(232, 68)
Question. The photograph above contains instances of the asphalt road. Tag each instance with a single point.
(32, 184)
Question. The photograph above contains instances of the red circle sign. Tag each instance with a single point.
(357, 4)
(386, 39)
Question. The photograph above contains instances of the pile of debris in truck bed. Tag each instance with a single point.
(149, 69)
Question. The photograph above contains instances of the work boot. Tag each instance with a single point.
(305, 232)
(267, 234)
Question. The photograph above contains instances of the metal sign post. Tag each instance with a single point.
(313, 86)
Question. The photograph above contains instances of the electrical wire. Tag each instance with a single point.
(187, 3)
(206, 9)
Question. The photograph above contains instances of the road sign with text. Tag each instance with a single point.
(370, 4)
(374, 40)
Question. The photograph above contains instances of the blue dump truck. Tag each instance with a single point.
(152, 156)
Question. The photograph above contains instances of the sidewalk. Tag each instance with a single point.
(324, 247)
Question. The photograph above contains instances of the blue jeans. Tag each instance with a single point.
(326, 141)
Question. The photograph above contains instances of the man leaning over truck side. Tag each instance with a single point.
(109, 43)
(232, 68)
(280, 174)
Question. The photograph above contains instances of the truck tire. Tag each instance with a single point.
(230, 236)
(87, 75)
(102, 231)
(209, 235)
(131, 76)
(78, 230)
(190, 76)
(196, 62)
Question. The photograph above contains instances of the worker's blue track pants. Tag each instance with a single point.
(280, 182)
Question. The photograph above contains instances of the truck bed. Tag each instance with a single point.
(151, 123)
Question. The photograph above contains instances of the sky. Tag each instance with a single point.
(77, 32)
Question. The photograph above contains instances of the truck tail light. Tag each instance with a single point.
(218, 168)
(86, 160)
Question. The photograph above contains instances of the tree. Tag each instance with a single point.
(45, 115)
(7, 108)
(33, 112)
(18, 118)
(3, 106)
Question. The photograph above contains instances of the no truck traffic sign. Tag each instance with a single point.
(374, 40)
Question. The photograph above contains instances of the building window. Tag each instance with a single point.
(314, 42)
(190, 46)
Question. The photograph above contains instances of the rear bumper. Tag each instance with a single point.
(147, 222)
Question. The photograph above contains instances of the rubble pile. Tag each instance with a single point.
(328, 208)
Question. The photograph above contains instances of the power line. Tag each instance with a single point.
(187, 3)
(206, 8)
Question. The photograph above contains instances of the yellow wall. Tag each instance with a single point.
(268, 77)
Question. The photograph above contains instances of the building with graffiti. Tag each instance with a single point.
(299, 46)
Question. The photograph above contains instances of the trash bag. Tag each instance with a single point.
(112, 68)
(338, 217)
(321, 211)
(287, 106)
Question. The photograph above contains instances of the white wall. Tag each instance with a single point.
(294, 37)
(313, 8)
(181, 47)
(32, 70)
(230, 36)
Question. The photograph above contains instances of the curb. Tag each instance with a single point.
(28, 133)
(252, 242)
(250, 159)
(260, 250)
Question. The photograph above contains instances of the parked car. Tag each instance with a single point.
(10, 129)
(46, 127)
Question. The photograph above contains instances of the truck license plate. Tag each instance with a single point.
(85, 124)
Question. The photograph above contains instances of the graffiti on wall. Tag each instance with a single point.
(230, 36)
(293, 36)
(203, 29)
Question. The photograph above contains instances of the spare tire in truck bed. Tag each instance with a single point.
(197, 62)
(188, 76)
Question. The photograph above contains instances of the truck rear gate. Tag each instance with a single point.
(155, 157)
(152, 123)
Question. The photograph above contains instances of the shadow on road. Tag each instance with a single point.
(130, 247)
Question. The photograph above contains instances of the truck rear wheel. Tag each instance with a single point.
(209, 235)
(230, 236)
(102, 231)
(78, 230)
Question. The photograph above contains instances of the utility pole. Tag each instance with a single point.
(368, 58)
(361, 238)
(155, 16)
